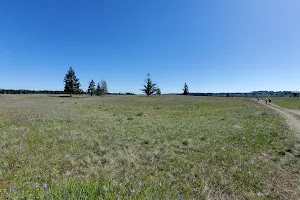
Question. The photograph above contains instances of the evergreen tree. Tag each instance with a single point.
(72, 84)
(158, 92)
(98, 90)
(103, 88)
(91, 89)
(185, 89)
(149, 87)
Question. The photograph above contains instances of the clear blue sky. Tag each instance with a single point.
(213, 45)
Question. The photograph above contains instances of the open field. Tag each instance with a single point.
(136, 147)
(287, 102)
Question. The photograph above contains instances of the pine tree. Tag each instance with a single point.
(103, 88)
(149, 87)
(185, 89)
(91, 89)
(98, 90)
(72, 84)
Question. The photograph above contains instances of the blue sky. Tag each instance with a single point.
(213, 45)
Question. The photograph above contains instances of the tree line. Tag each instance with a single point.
(72, 86)
(247, 94)
(21, 91)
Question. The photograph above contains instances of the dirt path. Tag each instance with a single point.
(292, 116)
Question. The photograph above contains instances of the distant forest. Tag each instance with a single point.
(250, 94)
(247, 94)
(21, 91)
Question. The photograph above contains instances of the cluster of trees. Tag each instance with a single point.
(249, 94)
(72, 85)
(10, 91)
(274, 94)
(101, 89)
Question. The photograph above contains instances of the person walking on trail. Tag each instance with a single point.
(270, 100)
(266, 101)
(257, 98)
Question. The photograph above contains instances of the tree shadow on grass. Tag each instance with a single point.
(61, 96)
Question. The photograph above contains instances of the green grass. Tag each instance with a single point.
(287, 102)
(163, 147)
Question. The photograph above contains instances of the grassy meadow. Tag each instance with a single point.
(137, 147)
(287, 102)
